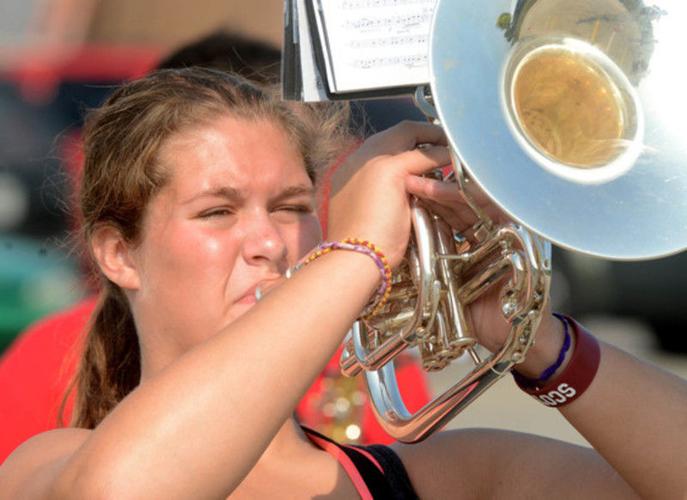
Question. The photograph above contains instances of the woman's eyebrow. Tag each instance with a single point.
(298, 190)
(231, 194)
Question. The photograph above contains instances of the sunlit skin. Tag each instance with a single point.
(238, 210)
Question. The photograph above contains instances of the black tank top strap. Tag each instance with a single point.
(378, 466)
(394, 471)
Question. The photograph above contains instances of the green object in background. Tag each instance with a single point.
(35, 280)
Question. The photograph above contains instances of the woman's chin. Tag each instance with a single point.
(238, 309)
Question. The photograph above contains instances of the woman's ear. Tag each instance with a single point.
(114, 257)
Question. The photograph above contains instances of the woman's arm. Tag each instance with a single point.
(499, 464)
(197, 428)
(634, 414)
(208, 417)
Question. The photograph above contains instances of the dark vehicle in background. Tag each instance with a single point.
(653, 291)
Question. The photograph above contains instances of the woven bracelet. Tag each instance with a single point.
(361, 246)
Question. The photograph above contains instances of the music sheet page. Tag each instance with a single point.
(375, 43)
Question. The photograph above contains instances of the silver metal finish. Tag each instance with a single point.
(629, 208)
(431, 313)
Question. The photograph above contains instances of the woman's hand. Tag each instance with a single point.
(370, 201)
(369, 198)
(491, 327)
(449, 202)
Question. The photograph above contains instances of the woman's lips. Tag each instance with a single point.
(264, 286)
(248, 299)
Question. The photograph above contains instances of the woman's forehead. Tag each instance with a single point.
(226, 130)
(230, 149)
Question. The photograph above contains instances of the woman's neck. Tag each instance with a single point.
(292, 466)
(289, 441)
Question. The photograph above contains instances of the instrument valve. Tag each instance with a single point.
(508, 308)
(481, 231)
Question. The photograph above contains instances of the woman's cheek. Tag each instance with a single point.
(309, 235)
(211, 246)
(216, 252)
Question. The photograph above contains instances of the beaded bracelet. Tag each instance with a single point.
(361, 246)
(575, 378)
(384, 290)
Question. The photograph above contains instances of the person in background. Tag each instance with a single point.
(36, 370)
(250, 58)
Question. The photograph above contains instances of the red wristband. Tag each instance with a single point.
(577, 375)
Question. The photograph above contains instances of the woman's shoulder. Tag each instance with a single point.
(449, 441)
(491, 463)
(452, 461)
(36, 453)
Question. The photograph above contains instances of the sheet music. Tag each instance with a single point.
(375, 43)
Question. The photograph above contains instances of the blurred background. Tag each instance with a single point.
(58, 58)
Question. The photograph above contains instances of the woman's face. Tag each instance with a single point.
(238, 210)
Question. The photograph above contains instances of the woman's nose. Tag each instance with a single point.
(263, 242)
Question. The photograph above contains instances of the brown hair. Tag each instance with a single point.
(122, 141)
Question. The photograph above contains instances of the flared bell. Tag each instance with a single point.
(568, 115)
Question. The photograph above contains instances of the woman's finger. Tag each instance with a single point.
(449, 195)
(433, 189)
(422, 160)
(406, 136)
(460, 217)
(412, 133)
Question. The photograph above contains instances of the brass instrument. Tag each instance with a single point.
(566, 114)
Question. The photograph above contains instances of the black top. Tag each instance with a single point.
(378, 466)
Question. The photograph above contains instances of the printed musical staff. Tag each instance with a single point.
(403, 22)
(371, 4)
(393, 41)
(409, 61)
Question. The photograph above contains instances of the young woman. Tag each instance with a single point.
(199, 190)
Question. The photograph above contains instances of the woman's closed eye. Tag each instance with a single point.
(292, 211)
(216, 212)
(295, 207)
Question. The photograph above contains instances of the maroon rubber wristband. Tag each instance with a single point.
(571, 383)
